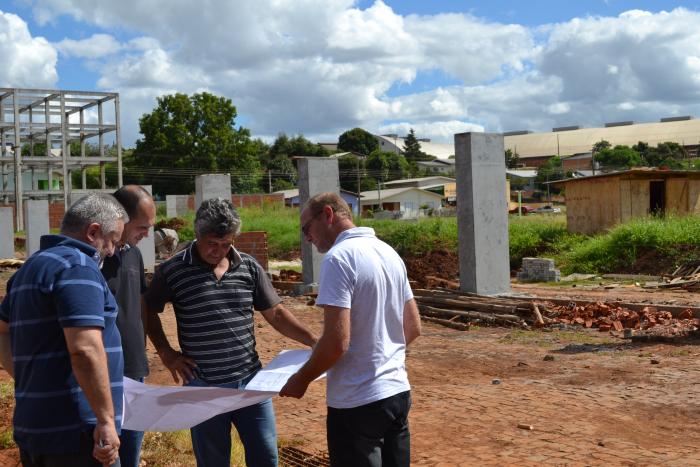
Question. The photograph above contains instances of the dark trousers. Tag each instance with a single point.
(80, 458)
(371, 435)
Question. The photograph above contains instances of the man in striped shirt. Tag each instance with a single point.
(214, 290)
(59, 340)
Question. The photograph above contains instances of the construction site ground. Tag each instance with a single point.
(499, 396)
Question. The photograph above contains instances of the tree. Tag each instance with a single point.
(619, 157)
(189, 135)
(359, 141)
(666, 154)
(378, 165)
(550, 171)
(411, 148)
(601, 145)
(512, 159)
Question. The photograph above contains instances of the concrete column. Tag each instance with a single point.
(210, 186)
(176, 205)
(147, 245)
(316, 175)
(7, 234)
(482, 213)
(36, 220)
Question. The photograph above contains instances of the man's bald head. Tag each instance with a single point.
(141, 209)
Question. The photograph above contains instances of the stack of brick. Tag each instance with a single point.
(539, 270)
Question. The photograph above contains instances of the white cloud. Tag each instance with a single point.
(442, 132)
(559, 108)
(319, 67)
(26, 61)
(96, 46)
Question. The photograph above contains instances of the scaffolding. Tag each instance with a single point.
(33, 116)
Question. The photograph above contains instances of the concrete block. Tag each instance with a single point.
(147, 244)
(176, 205)
(482, 213)
(210, 186)
(36, 223)
(7, 234)
(316, 175)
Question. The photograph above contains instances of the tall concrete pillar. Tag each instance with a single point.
(147, 245)
(210, 186)
(482, 213)
(316, 175)
(7, 234)
(176, 205)
(36, 223)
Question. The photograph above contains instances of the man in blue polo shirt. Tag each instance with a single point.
(59, 340)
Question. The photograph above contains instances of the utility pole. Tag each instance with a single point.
(269, 181)
(359, 185)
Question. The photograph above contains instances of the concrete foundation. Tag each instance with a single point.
(210, 186)
(482, 213)
(316, 175)
(7, 234)
(36, 223)
(176, 205)
(147, 245)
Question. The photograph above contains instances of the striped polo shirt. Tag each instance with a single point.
(214, 316)
(58, 287)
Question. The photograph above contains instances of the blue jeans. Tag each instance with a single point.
(211, 440)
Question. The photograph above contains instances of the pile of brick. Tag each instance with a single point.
(539, 270)
(608, 317)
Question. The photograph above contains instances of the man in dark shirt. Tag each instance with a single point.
(214, 290)
(125, 277)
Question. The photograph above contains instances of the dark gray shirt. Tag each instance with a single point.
(126, 279)
(214, 316)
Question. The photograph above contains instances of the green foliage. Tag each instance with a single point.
(620, 247)
(195, 134)
(537, 236)
(412, 149)
(420, 237)
(618, 157)
(551, 170)
(359, 141)
(512, 159)
(600, 146)
(663, 155)
(378, 165)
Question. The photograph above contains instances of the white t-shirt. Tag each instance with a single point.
(364, 274)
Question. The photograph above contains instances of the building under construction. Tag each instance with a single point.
(48, 121)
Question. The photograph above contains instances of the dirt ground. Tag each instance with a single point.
(595, 400)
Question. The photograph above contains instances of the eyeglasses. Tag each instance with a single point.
(307, 225)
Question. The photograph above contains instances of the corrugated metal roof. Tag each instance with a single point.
(373, 195)
(567, 143)
(635, 171)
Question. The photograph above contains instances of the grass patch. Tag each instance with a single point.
(674, 239)
(174, 448)
(550, 339)
(622, 249)
(7, 390)
(7, 440)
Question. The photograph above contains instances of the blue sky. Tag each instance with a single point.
(320, 67)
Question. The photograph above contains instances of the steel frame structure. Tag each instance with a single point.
(29, 116)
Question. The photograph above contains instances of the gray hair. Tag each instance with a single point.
(95, 208)
(217, 216)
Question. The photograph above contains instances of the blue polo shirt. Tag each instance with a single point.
(60, 286)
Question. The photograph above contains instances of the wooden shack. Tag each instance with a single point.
(596, 203)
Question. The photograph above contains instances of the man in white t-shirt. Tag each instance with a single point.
(370, 317)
